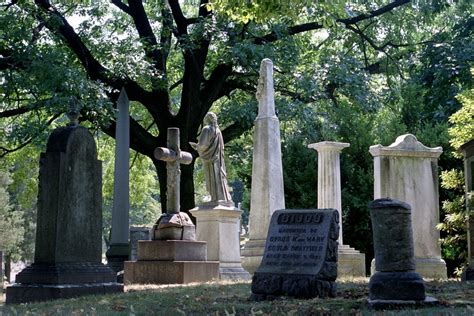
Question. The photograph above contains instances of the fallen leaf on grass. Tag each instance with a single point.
(119, 307)
(233, 312)
(254, 312)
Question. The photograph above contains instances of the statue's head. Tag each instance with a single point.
(210, 118)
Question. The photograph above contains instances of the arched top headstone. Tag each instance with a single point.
(406, 146)
(72, 139)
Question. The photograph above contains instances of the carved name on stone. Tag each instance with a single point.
(300, 256)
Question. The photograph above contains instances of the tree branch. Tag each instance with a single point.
(179, 18)
(122, 6)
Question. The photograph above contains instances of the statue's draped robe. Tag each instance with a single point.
(211, 150)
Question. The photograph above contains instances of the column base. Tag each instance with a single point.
(351, 262)
(252, 255)
(116, 255)
(428, 268)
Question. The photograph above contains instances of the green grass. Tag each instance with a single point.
(226, 298)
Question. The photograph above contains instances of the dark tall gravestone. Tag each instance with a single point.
(395, 281)
(467, 150)
(68, 250)
(300, 257)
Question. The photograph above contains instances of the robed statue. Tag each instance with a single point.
(210, 147)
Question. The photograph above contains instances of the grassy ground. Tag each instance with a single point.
(224, 298)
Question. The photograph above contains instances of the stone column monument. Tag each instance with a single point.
(173, 255)
(350, 262)
(218, 221)
(267, 193)
(468, 153)
(407, 171)
(118, 251)
(68, 247)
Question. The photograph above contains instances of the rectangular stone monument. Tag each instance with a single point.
(137, 233)
(468, 152)
(407, 171)
(300, 257)
(68, 247)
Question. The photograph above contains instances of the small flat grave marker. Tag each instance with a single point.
(300, 256)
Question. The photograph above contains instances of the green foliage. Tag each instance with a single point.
(462, 121)
(11, 230)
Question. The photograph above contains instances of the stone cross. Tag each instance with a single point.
(173, 157)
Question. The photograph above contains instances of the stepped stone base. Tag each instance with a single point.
(351, 263)
(170, 262)
(170, 272)
(252, 255)
(428, 268)
(44, 282)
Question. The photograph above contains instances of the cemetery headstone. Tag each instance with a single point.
(468, 153)
(267, 192)
(137, 233)
(395, 281)
(218, 221)
(300, 258)
(118, 251)
(407, 171)
(351, 262)
(173, 255)
(68, 248)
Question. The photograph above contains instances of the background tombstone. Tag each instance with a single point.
(468, 153)
(300, 256)
(350, 261)
(137, 233)
(395, 282)
(118, 251)
(408, 171)
(267, 192)
(68, 247)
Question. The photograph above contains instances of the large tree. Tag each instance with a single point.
(177, 59)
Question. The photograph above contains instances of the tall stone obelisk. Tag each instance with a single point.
(350, 262)
(119, 248)
(267, 193)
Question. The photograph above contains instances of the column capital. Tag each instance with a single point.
(328, 146)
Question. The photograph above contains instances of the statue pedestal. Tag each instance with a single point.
(218, 225)
(170, 262)
(351, 262)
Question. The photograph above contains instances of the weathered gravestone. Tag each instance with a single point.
(267, 193)
(300, 257)
(118, 251)
(407, 170)
(468, 152)
(395, 282)
(173, 255)
(68, 247)
(137, 233)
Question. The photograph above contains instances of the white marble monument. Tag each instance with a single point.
(118, 251)
(267, 193)
(407, 171)
(218, 221)
(351, 263)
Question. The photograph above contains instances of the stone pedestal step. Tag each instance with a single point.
(171, 250)
(170, 272)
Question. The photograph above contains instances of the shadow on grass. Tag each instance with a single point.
(232, 298)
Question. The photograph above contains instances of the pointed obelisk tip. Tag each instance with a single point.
(265, 93)
(123, 97)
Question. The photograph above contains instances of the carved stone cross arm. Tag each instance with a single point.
(173, 157)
